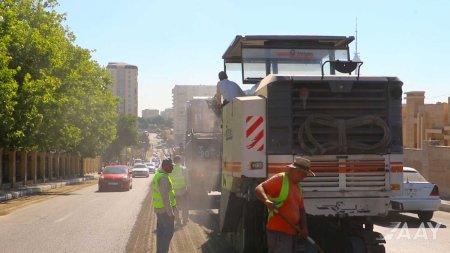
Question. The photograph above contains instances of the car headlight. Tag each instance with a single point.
(124, 178)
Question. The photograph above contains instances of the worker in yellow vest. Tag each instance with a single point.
(179, 178)
(165, 206)
(282, 195)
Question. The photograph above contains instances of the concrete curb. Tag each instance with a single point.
(22, 191)
(445, 206)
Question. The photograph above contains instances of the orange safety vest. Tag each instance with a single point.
(279, 201)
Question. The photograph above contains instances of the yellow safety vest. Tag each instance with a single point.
(178, 178)
(278, 201)
(157, 197)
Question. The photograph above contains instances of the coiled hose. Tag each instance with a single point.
(342, 144)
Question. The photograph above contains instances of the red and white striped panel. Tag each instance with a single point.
(254, 132)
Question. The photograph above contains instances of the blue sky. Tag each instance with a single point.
(182, 42)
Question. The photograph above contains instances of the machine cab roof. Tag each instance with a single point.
(260, 55)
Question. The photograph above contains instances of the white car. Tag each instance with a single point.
(140, 170)
(151, 167)
(419, 196)
(155, 161)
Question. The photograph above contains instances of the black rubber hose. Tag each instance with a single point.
(342, 126)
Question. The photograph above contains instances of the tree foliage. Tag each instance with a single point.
(126, 137)
(53, 96)
(154, 122)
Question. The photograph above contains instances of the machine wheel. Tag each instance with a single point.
(376, 249)
(250, 234)
(368, 226)
(425, 215)
(239, 237)
(354, 244)
(255, 224)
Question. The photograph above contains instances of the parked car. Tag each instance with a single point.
(115, 176)
(418, 196)
(151, 167)
(140, 170)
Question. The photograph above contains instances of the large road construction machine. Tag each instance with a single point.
(202, 149)
(310, 100)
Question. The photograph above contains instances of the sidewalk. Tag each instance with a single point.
(445, 205)
(20, 191)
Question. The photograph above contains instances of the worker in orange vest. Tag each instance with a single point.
(283, 197)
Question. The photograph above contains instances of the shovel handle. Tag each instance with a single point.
(298, 229)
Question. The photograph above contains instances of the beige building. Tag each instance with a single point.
(150, 113)
(125, 86)
(167, 113)
(180, 95)
(426, 135)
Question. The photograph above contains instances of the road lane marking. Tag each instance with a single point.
(64, 217)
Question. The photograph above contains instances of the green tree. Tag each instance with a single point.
(33, 35)
(54, 96)
(126, 137)
(143, 123)
(158, 121)
(8, 93)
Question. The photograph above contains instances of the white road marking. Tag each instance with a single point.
(64, 217)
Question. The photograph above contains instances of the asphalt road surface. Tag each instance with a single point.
(406, 233)
(89, 221)
(198, 235)
(81, 221)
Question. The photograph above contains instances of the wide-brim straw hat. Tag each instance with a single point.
(303, 164)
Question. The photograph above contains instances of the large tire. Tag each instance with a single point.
(425, 215)
(239, 237)
(376, 249)
(354, 244)
(368, 226)
(250, 236)
(255, 222)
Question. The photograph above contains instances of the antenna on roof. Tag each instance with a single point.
(356, 56)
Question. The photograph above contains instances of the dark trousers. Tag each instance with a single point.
(278, 242)
(183, 206)
(164, 232)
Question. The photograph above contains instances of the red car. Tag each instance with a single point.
(115, 176)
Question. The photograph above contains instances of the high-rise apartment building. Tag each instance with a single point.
(125, 86)
(150, 113)
(167, 113)
(180, 95)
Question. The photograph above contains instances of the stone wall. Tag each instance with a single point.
(433, 162)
